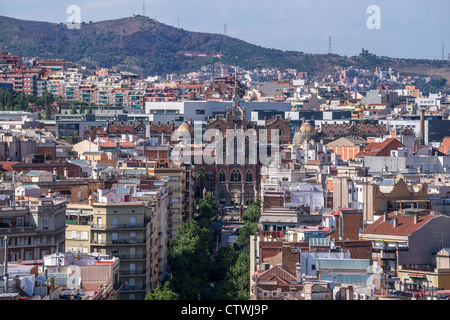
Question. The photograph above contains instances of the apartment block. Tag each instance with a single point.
(34, 227)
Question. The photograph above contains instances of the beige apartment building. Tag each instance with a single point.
(180, 199)
(135, 232)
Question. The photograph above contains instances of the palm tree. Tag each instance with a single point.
(200, 175)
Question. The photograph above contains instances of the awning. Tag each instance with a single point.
(416, 275)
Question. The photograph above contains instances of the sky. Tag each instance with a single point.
(397, 28)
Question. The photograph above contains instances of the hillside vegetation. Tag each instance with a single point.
(147, 47)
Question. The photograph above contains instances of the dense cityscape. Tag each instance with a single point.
(223, 183)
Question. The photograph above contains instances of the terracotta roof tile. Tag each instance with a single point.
(405, 227)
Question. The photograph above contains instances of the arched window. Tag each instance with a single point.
(222, 196)
(249, 176)
(235, 175)
(222, 176)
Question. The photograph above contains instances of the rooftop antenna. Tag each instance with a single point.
(329, 45)
(225, 29)
(143, 8)
(443, 51)
(178, 22)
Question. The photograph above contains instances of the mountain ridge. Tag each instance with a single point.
(145, 46)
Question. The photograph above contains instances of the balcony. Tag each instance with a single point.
(133, 257)
(119, 226)
(8, 229)
(133, 288)
(128, 241)
(128, 226)
(132, 272)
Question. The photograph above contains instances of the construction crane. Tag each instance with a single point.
(360, 112)
(213, 56)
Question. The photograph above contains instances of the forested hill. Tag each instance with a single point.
(147, 47)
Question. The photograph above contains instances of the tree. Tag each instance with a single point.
(59, 100)
(200, 175)
(45, 99)
(162, 292)
(244, 233)
(223, 261)
(206, 209)
(238, 284)
(190, 261)
(73, 110)
(47, 114)
(252, 213)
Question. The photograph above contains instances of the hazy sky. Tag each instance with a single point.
(408, 28)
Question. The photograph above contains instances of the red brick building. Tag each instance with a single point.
(236, 181)
(60, 169)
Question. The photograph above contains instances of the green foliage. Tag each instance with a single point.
(252, 213)
(243, 238)
(47, 114)
(70, 139)
(432, 86)
(190, 261)
(238, 276)
(162, 292)
(45, 99)
(224, 259)
(206, 209)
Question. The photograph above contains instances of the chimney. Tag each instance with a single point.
(298, 272)
(385, 216)
(416, 218)
(350, 293)
(395, 222)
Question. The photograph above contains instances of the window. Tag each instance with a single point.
(235, 175)
(20, 222)
(74, 234)
(45, 223)
(199, 111)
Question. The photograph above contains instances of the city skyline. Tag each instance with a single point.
(412, 29)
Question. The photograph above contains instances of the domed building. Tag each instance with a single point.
(304, 133)
(183, 132)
